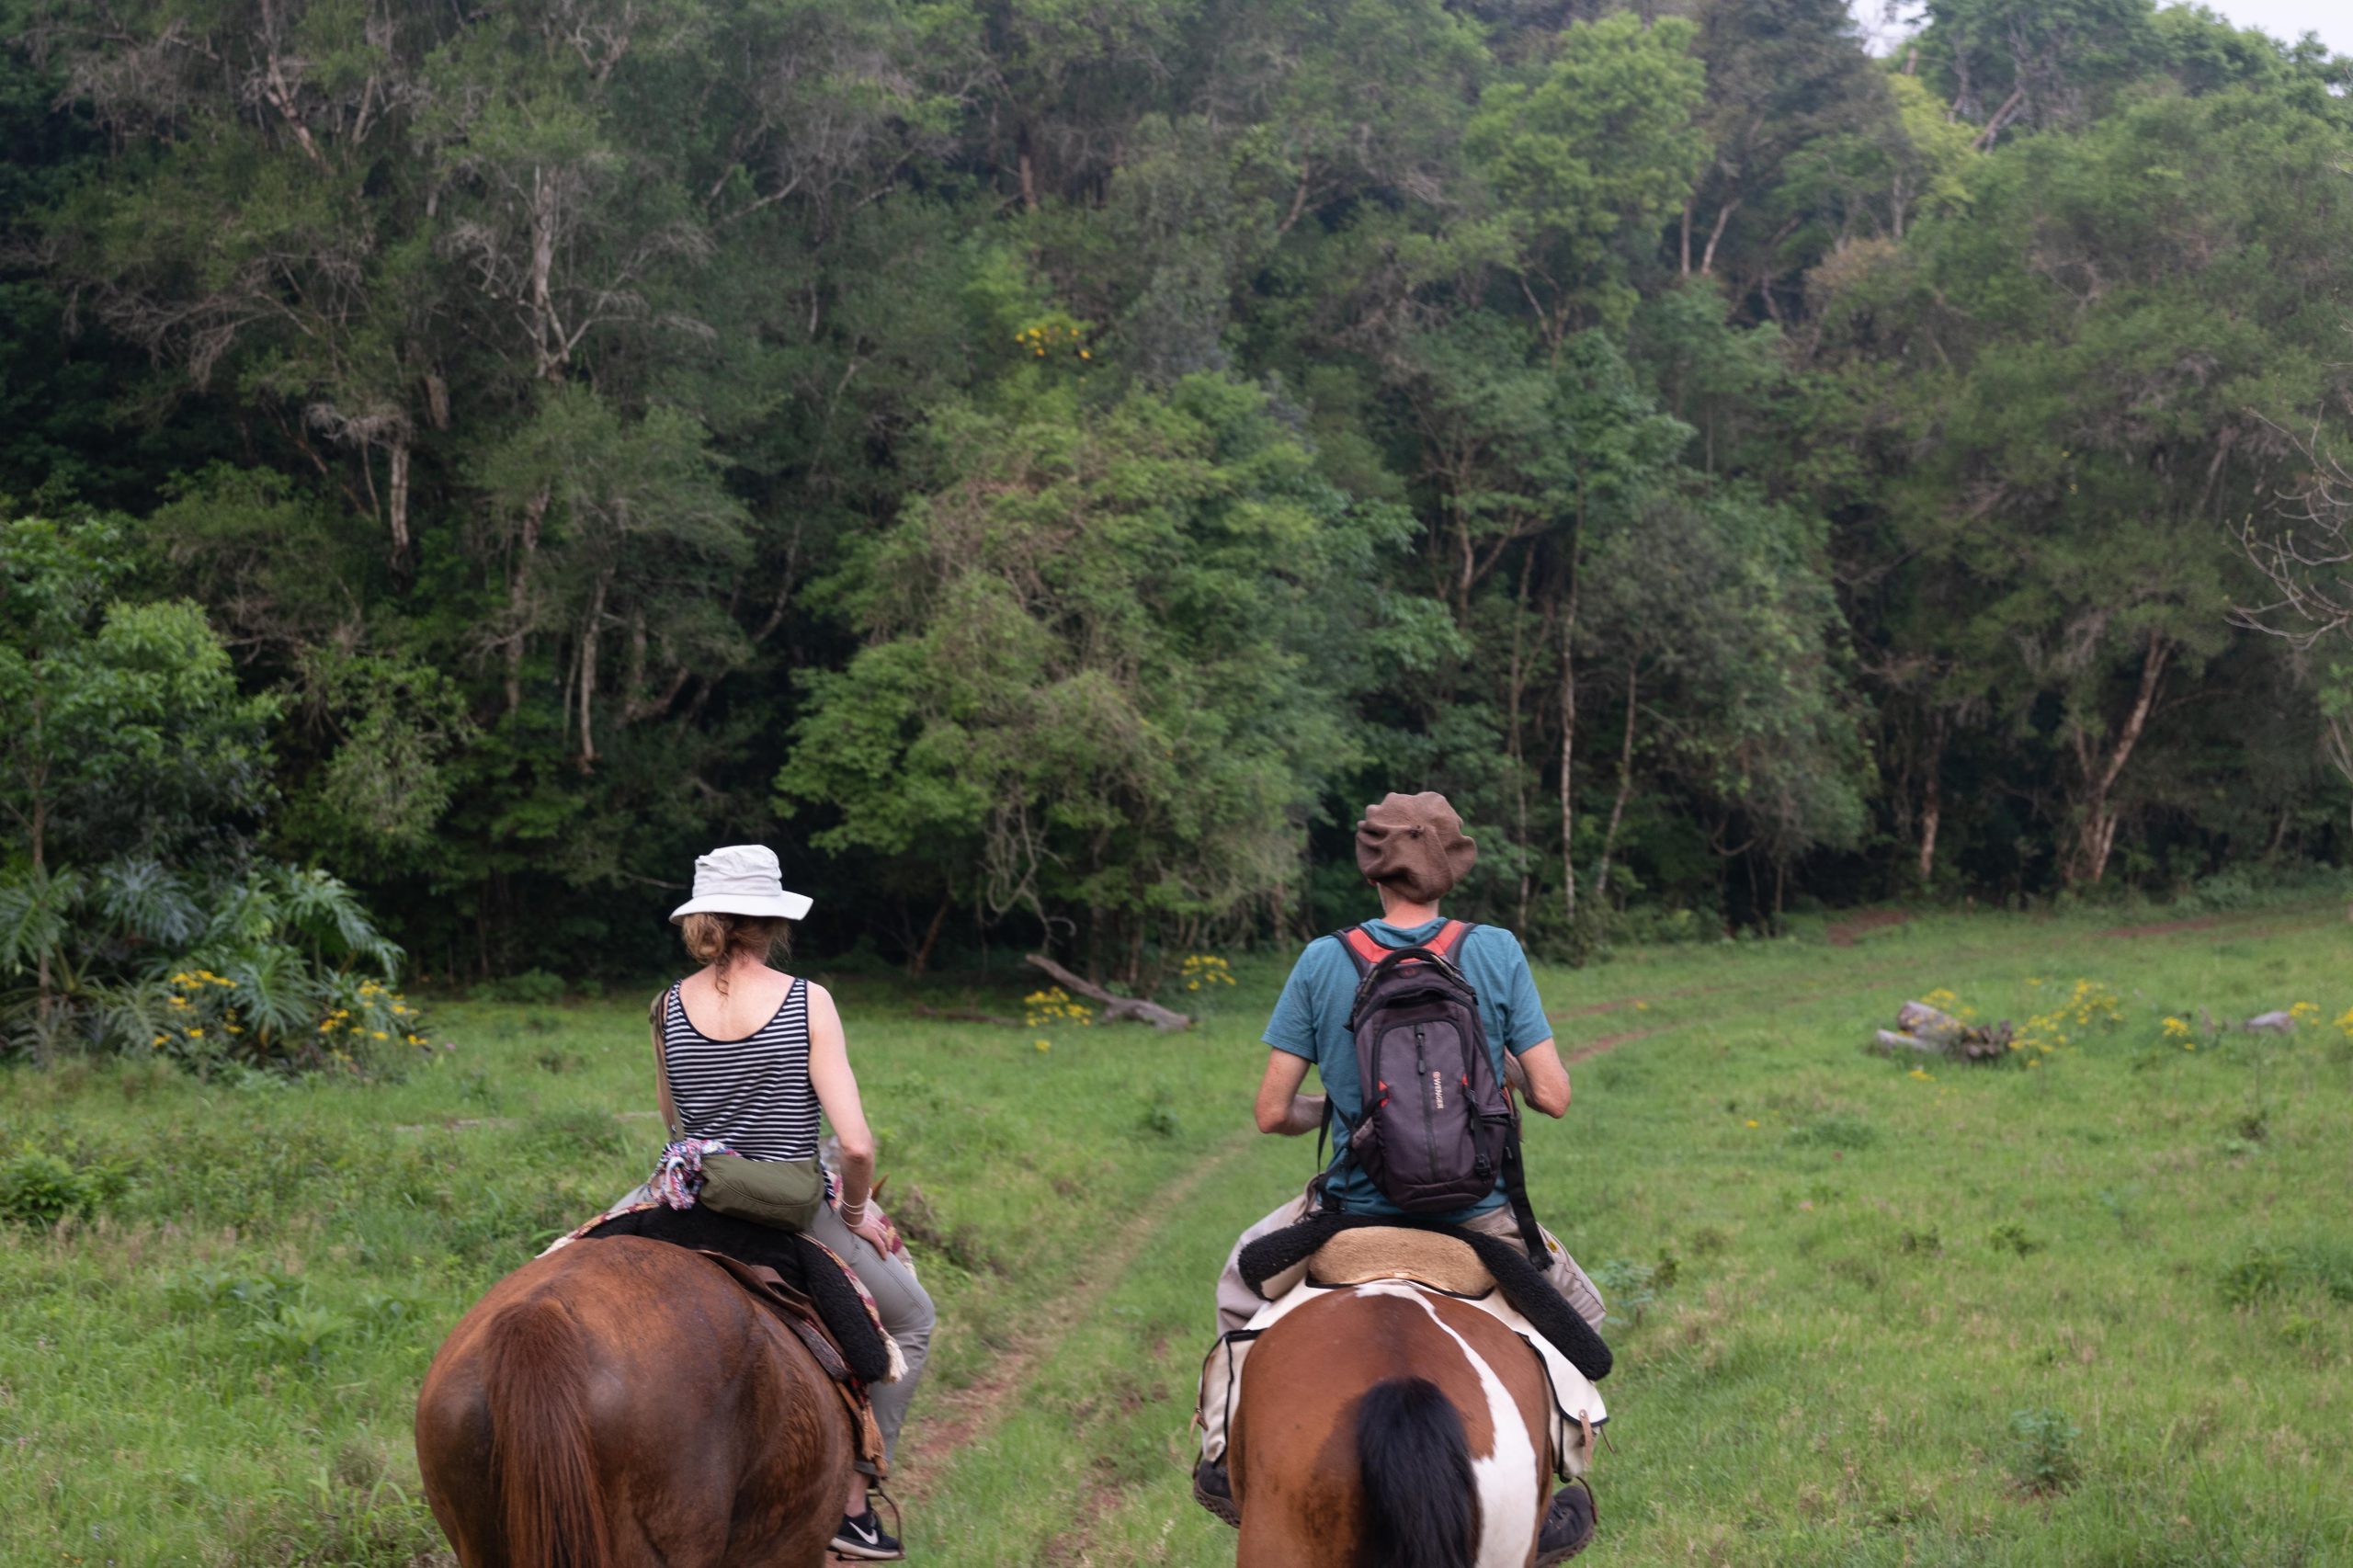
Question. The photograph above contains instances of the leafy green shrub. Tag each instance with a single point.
(2013, 1238)
(1630, 1287)
(2042, 1452)
(532, 988)
(2232, 887)
(39, 1188)
(2259, 1274)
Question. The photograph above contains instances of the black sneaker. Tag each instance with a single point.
(1568, 1525)
(864, 1537)
(1214, 1491)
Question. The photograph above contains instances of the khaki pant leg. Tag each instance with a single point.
(1236, 1302)
(1236, 1305)
(1569, 1279)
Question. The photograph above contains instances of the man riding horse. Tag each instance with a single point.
(1413, 850)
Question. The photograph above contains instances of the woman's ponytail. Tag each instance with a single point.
(723, 940)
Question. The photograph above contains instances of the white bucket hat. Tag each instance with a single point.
(742, 878)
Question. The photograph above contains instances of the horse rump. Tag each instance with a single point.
(1421, 1507)
(540, 1443)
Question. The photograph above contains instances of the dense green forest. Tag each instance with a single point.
(1043, 464)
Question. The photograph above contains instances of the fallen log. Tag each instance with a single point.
(1134, 1007)
(1934, 1032)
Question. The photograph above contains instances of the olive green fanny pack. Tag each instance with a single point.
(785, 1194)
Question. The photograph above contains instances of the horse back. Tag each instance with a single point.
(623, 1402)
(1304, 1444)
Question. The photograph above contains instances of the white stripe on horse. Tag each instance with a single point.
(1507, 1477)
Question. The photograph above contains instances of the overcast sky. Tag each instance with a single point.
(2291, 19)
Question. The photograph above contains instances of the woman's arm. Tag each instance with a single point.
(837, 1087)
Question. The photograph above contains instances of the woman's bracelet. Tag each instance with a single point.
(853, 1215)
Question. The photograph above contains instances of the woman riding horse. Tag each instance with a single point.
(748, 1056)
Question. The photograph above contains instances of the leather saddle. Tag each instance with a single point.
(792, 1307)
(1421, 1257)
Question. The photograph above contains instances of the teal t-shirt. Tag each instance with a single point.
(1310, 1019)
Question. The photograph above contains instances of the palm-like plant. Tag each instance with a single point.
(271, 965)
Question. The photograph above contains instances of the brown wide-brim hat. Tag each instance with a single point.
(1413, 846)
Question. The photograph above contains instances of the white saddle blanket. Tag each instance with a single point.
(1578, 1408)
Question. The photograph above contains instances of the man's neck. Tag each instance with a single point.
(1404, 916)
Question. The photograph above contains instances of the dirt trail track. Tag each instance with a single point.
(956, 1419)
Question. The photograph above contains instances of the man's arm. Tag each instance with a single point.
(1539, 1073)
(1281, 1108)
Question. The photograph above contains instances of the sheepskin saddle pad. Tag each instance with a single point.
(1506, 1264)
(1385, 1251)
(797, 1262)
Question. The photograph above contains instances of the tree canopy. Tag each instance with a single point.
(1045, 468)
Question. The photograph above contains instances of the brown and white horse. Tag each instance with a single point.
(624, 1403)
(1380, 1426)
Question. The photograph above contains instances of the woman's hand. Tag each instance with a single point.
(874, 1230)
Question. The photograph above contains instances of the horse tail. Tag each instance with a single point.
(1421, 1505)
(539, 1441)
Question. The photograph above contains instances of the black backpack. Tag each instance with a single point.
(1436, 1131)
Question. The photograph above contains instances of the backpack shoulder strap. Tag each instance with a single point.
(1359, 944)
(1448, 938)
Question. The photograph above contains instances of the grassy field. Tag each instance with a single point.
(2095, 1310)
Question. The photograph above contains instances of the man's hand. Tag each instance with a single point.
(1281, 1108)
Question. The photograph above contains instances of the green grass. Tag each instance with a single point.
(2096, 1311)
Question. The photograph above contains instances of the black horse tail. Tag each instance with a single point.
(1421, 1503)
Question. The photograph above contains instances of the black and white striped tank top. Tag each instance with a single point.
(752, 1093)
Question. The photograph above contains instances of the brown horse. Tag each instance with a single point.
(1381, 1424)
(623, 1403)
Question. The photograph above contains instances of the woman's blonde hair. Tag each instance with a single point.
(721, 941)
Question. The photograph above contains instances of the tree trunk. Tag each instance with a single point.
(399, 507)
(1625, 783)
(2097, 837)
(589, 636)
(1708, 258)
(1569, 751)
(1931, 814)
(547, 333)
(518, 596)
(1511, 730)
(921, 958)
(1932, 803)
